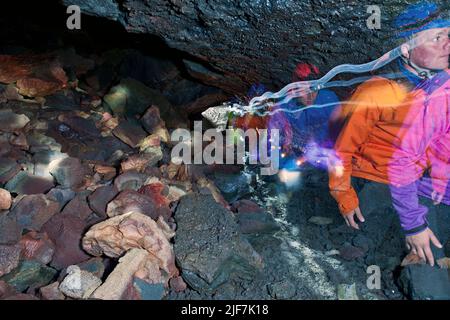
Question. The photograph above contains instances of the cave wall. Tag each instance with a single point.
(240, 42)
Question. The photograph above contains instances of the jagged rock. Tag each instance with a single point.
(79, 284)
(37, 246)
(60, 195)
(42, 160)
(148, 291)
(10, 121)
(51, 292)
(9, 258)
(8, 169)
(130, 200)
(94, 266)
(106, 172)
(152, 119)
(68, 172)
(208, 245)
(130, 180)
(78, 207)
(117, 235)
(22, 296)
(19, 140)
(256, 222)
(29, 274)
(40, 142)
(120, 278)
(137, 162)
(33, 211)
(66, 232)
(35, 76)
(129, 133)
(423, 282)
(83, 127)
(10, 231)
(5, 199)
(65, 100)
(26, 183)
(232, 186)
(99, 199)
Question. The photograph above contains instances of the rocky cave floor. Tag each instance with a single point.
(71, 177)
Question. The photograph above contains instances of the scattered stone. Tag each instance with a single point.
(246, 206)
(30, 274)
(347, 292)
(320, 221)
(33, 211)
(22, 296)
(349, 252)
(232, 186)
(412, 258)
(26, 183)
(42, 160)
(65, 100)
(68, 172)
(129, 133)
(99, 199)
(66, 232)
(151, 120)
(10, 121)
(218, 116)
(136, 162)
(51, 292)
(259, 223)
(9, 258)
(79, 284)
(37, 246)
(208, 245)
(362, 242)
(117, 235)
(5, 199)
(120, 278)
(19, 140)
(130, 180)
(130, 200)
(106, 172)
(40, 142)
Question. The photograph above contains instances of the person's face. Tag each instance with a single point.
(431, 49)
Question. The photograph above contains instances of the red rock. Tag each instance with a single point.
(35, 75)
(66, 232)
(135, 162)
(130, 180)
(130, 200)
(78, 207)
(246, 206)
(349, 252)
(5, 199)
(26, 183)
(22, 296)
(37, 246)
(33, 211)
(68, 172)
(106, 172)
(51, 292)
(129, 133)
(177, 284)
(100, 198)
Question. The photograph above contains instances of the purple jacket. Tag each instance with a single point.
(427, 132)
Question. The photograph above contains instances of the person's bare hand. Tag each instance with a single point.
(436, 197)
(350, 218)
(419, 244)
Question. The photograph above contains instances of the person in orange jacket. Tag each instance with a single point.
(370, 144)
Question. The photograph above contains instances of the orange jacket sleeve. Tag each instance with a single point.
(361, 113)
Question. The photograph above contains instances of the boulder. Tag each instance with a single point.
(51, 292)
(99, 199)
(208, 245)
(79, 284)
(33, 211)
